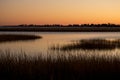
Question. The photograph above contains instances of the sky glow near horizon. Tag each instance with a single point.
(13, 12)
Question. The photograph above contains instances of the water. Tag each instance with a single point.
(50, 39)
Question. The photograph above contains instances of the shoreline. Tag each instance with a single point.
(62, 29)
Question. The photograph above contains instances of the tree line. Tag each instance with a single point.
(69, 25)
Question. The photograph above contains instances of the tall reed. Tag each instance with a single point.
(24, 67)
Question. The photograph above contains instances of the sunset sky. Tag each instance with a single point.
(14, 12)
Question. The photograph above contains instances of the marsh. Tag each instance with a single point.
(43, 45)
(98, 55)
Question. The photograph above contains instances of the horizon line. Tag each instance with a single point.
(58, 24)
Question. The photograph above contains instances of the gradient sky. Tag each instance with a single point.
(14, 12)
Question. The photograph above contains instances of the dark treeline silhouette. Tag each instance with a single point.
(69, 25)
(63, 28)
(73, 25)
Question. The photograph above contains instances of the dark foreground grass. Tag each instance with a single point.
(22, 67)
(91, 44)
(17, 37)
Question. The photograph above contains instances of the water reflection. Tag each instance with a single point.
(109, 45)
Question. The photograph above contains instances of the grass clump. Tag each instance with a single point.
(17, 37)
(91, 44)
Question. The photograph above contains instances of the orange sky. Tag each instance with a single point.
(14, 12)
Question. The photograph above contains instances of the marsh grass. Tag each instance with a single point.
(17, 37)
(24, 67)
(91, 44)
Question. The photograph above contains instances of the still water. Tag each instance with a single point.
(50, 39)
